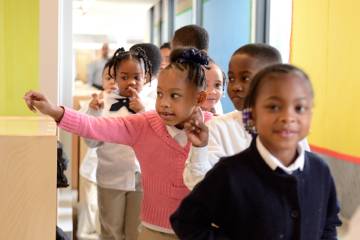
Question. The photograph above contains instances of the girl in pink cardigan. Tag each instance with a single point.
(157, 137)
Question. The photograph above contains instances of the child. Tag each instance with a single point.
(88, 220)
(150, 87)
(225, 135)
(118, 172)
(165, 50)
(215, 79)
(274, 189)
(191, 36)
(157, 137)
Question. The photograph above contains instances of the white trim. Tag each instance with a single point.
(48, 47)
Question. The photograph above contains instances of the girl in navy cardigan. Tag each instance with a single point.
(274, 189)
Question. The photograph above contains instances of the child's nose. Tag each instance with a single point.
(287, 116)
(238, 87)
(164, 103)
(132, 82)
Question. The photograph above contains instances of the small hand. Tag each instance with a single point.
(38, 101)
(135, 101)
(196, 130)
(97, 102)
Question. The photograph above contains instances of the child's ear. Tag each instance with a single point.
(201, 98)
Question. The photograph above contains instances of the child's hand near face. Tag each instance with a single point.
(37, 101)
(97, 102)
(135, 101)
(196, 130)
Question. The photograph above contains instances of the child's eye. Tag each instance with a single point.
(175, 95)
(245, 78)
(137, 78)
(159, 94)
(300, 109)
(273, 107)
(218, 85)
(124, 78)
(231, 79)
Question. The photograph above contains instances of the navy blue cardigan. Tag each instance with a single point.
(242, 198)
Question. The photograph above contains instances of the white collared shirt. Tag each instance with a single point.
(177, 134)
(274, 162)
(117, 163)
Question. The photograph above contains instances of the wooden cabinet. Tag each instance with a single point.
(27, 178)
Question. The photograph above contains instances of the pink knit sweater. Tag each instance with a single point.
(161, 158)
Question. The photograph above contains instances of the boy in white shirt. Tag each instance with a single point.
(225, 135)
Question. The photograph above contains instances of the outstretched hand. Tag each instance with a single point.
(196, 130)
(36, 101)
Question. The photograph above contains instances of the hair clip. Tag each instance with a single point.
(195, 56)
(247, 120)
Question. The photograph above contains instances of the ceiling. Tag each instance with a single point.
(121, 22)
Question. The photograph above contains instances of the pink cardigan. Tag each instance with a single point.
(161, 158)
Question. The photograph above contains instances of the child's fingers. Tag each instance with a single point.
(134, 92)
(101, 104)
(29, 105)
(29, 97)
(94, 96)
(188, 126)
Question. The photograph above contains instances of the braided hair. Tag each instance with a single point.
(153, 54)
(136, 53)
(193, 61)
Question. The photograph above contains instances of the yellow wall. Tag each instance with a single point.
(19, 53)
(326, 43)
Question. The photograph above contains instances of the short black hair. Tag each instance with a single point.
(135, 53)
(191, 36)
(153, 54)
(265, 53)
(165, 45)
(275, 69)
(193, 61)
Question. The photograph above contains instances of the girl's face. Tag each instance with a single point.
(282, 113)
(130, 74)
(214, 89)
(176, 97)
(108, 83)
(242, 69)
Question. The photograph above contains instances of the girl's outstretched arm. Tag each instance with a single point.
(122, 130)
(38, 101)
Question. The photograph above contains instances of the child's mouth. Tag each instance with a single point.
(285, 133)
(166, 115)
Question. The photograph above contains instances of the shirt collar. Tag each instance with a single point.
(177, 134)
(274, 162)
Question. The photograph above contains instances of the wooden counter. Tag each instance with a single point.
(27, 178)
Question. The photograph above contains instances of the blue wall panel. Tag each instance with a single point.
(229, 25)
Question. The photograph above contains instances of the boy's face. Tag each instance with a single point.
(214, 89)
(108, 83)
(282, 113)
(165, 57)
(129, 75)
(176, 97)
(242, 69)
